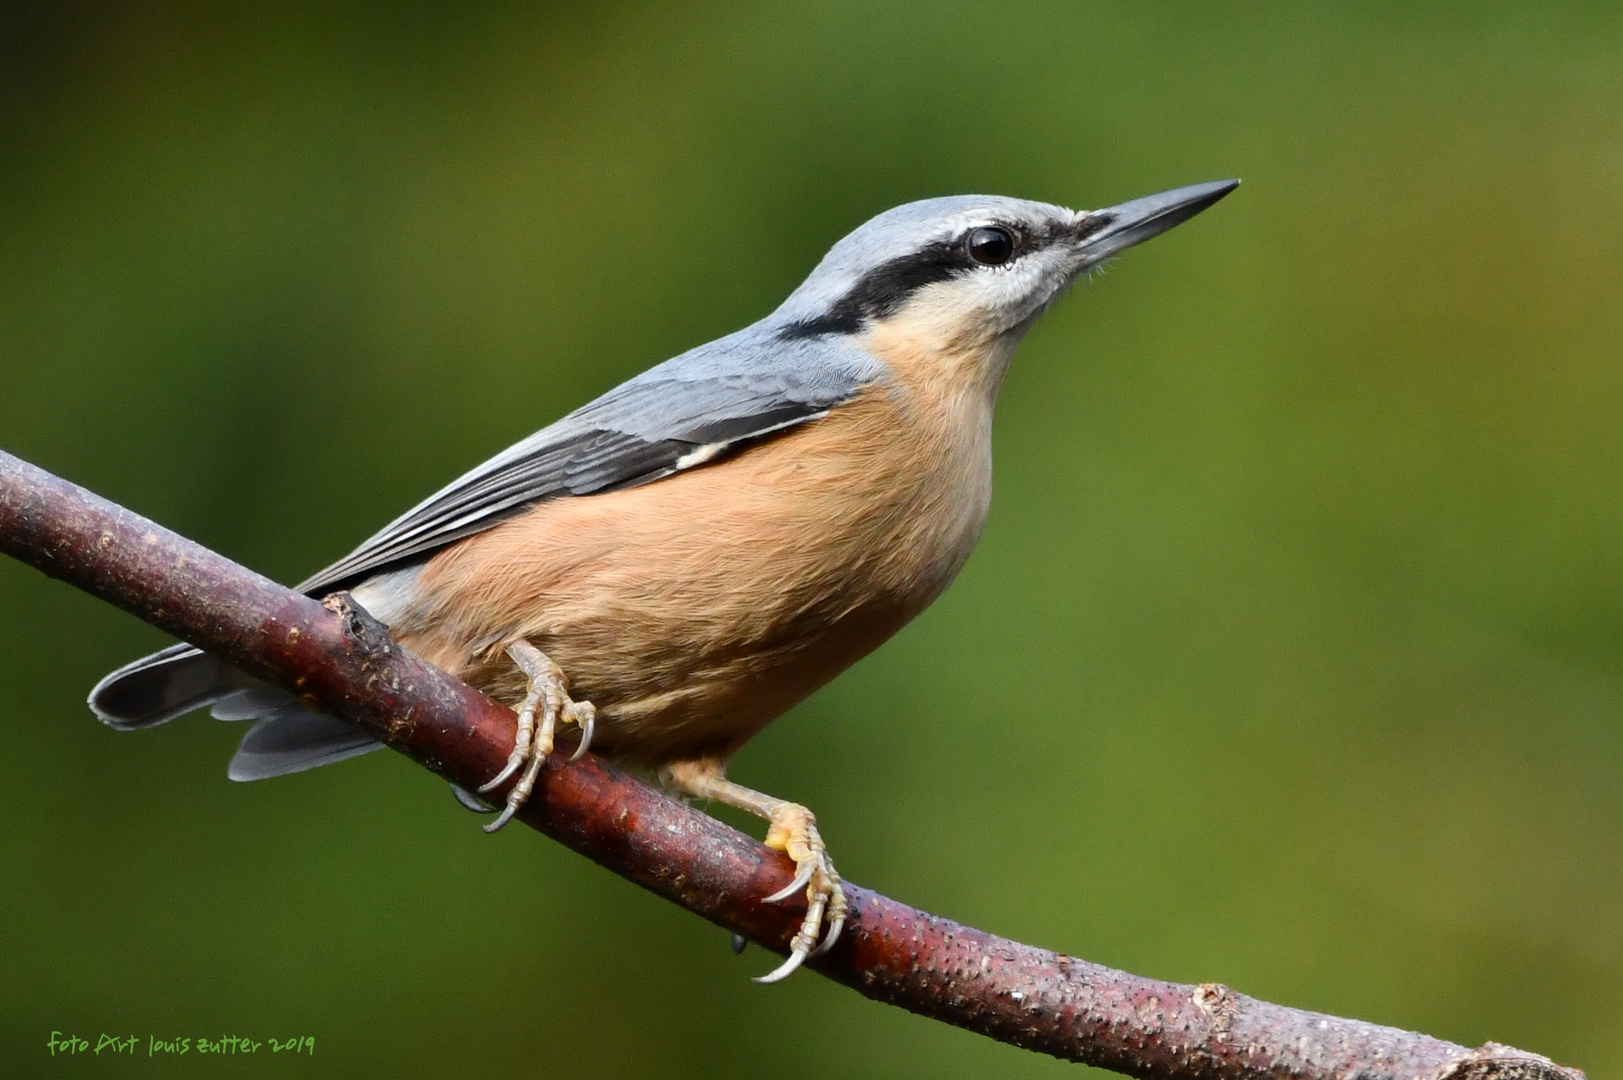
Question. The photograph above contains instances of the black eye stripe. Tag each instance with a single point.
(884, 289)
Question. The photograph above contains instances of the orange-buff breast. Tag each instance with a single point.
(694, 610)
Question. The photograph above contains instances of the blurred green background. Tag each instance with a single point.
(1292, 656)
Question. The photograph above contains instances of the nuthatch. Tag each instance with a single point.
(705, 545)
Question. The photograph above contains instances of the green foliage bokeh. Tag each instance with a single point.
(1292, 656)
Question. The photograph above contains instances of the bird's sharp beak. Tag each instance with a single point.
(1117, 228)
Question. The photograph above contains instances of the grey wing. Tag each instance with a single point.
(681, 414)
(676, 416)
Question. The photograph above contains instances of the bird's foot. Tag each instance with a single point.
(546, 700)
(794, 832)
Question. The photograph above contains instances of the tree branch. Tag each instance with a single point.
(339, 659)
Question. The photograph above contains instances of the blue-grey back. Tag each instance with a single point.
(683, 413)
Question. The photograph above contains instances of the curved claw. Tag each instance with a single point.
(507, 815)
(513, 766)
(785, 969)
(470, 801)
(830, 937)
(588, 724)
(801, 880)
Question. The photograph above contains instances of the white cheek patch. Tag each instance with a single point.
(947, 310)
(989, 299)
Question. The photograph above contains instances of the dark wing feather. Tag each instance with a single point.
(683, 413)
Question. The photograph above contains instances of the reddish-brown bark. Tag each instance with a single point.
(341, 660)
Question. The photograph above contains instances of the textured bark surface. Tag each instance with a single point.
(339, 659)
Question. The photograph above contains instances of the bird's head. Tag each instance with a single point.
(965, 276)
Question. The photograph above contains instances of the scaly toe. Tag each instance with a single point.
(544, 700)
(835, 925)
(796, 833)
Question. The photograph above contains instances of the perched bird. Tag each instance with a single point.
(675, 564)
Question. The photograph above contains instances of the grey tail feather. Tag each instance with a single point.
(291, 738)
(287, 738)
(160, 687)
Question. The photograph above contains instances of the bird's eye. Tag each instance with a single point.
(991, 246)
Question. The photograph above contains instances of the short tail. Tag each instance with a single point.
(160, 687)
(286, 738)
